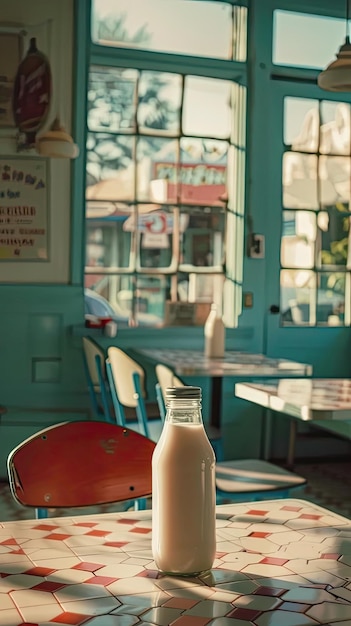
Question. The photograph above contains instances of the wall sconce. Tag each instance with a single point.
(337, 75)
(56, 143)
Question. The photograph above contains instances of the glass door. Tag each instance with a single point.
(308, 260)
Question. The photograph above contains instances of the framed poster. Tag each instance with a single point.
(23, 209)
(11, 45)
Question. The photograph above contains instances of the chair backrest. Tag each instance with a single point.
(127, 385)
(77, 464)
(91, 351)
(95, 368)
(165, 378)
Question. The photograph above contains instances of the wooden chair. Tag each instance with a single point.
(127, 384)
(95, 369)
(167, 378)
(79, 464)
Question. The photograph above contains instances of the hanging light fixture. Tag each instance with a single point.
(57, 143)
(337, 76)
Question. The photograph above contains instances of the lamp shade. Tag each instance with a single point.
(57, 143)
(337, 76)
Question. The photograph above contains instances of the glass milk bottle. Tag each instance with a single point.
(214, 333)
(183, 488)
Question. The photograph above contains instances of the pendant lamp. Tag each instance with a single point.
(337, 76)
(57, 143)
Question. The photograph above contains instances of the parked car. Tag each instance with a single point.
(98, 306)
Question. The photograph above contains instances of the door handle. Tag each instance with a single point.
(274, 309)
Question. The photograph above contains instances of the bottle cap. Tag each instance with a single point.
(183, 393)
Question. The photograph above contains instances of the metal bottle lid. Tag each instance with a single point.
(183, 393)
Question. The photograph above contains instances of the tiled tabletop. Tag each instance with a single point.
(236, 364)
(303, 398)
(278, 563)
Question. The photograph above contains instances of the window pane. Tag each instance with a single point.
(298, 239)
(108, 237)
(331, 298)
(334, 174)
(166, 26)
(300, 190)
(156, 231)
(110, 167)
(304, 40)
(297, 297)
(203, 171)
(202, 241)
(301, 124)
(159, 101)
(112, 99)
(335, 129)
(334, 230)
(206, 110)
(157, 169)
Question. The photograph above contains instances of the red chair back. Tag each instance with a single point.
(81, 464)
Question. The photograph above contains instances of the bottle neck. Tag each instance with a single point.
(184, 411)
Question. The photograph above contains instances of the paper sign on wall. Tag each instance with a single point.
(23, 210)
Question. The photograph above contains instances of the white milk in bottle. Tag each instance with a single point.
(183, 488)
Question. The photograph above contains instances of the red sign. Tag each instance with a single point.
(198, 183)
(32, 93)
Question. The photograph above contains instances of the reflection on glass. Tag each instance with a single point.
(167, 26)
(300, 181)
(298, 239)
(203, 171)
(297, 297)
(331, 298)
(334, 175)
(334, 237)
(301, 124)
(159, 99)
(335, 128)
(203, 240)
(157, 169)
(156, 239)
(151, 294)
(202, 95)
(110, 167)
(292, 43)
(108, 244)
(112, 99)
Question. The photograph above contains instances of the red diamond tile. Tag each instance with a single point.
(98, 533)
(88, 567)
(49, 586)
(115, 544)
(20, 551)
(310, 516)
(101, 580)
(330, 555)
(244, 614)
(39, 571)
(45, 527)
(141, 531)
(70, 618)
(57, 536)
(125, 520)
(180, 603)
(259, 534)
(269, 560)
(9, 542)
(256, 512)
(269, 591)
(4, 575)
(149, 573)
(86, 524)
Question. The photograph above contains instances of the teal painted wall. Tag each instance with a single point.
(42, 308)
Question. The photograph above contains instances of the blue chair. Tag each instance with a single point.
(127, 385)
(95, 370)
(167, 378)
